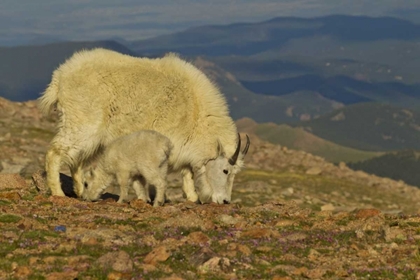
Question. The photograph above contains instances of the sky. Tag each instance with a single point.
(23, 21)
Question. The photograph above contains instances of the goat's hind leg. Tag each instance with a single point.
(123, 182)
(159, 182)
(142, 189)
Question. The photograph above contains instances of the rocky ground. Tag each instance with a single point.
(293, 216)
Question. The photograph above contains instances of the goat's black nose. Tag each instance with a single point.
(225, 201)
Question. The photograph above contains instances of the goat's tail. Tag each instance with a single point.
(49, 98)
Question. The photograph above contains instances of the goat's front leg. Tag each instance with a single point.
(77, 175)
(204, 190)
(123, 182)
(52, 166)
(188, 185)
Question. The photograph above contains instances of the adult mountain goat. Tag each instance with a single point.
(101, 95)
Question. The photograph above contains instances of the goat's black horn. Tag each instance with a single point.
(234, 158)
(248, 142)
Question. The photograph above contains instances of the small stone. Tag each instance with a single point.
(62, 275)
(301, 271)
(314, 171)
(316, 273)
(264, 249)
(13, 196)
(140, 204)
(313, 255)
(366, 213)
(25, 224)
(284, 223)
(244, 249)
(50, 259)
(277, 277)
(227, 219)
(342, 165)
(263, 262)
(201, 256)
(90, 241)
(115, 275)
(60, 228)
(38, 178)
(119, 261)
(327, 207)
(11, 168)
(12, 181)
(394, 233)
(296, 236)
(214, 264)
(288, 192)
(260, 233)
(198, 238)
(172, 277)
(393, 245)
(147, 267)
(33, 261)
(160, 254)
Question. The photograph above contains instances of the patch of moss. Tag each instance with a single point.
(4, 202)
(6, 247)
(386, 273)
(9, 218)
(39, 234)
(94, 251)
(36, 276)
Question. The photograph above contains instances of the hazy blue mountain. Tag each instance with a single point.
(25, 71)
(252, 38)
(341, 89)
(346, 59)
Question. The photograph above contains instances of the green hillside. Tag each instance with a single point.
(369, 126)
(299, 139)
(401, 165)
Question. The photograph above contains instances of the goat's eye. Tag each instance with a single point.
(86, 185)
(225, 171)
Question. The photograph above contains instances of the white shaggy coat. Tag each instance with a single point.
(139, 158)
(101, 95)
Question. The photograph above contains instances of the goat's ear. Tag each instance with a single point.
(220, 150)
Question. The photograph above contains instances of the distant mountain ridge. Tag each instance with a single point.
(346, 59)
(258, 37)
(342, 89)
(295, 77)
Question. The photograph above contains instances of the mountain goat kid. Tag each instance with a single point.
(101, 95)
(142, 155)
